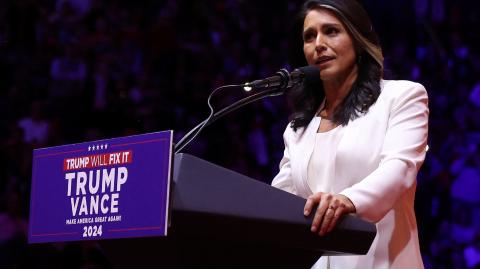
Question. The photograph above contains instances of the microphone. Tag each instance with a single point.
(284, 80)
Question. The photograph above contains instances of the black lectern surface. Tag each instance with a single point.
(222, 219)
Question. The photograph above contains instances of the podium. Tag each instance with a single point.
(222, 219)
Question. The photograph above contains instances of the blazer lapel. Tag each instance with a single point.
(306, 144)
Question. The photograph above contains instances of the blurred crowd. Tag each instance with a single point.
(79, 70)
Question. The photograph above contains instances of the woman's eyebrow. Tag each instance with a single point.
(326, 25)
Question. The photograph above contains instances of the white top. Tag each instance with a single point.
(321, 167)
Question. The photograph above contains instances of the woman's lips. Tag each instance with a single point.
(323, 60)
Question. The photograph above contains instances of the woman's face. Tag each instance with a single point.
(328, 45)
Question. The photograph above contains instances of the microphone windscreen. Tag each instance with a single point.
(312, 76)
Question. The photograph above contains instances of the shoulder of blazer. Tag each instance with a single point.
(396, 89)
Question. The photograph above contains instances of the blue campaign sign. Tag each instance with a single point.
(112, 188)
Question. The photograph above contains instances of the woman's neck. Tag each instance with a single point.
(336, 90)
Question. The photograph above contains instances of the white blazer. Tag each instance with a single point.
(376, 165)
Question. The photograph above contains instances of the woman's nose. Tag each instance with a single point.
(320, 43)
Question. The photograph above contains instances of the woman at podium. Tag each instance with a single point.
(357, 141)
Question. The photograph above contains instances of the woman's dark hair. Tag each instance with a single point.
(306, 99)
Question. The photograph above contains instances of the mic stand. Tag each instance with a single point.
(240, 103)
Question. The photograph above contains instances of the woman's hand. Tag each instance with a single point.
(330, 208)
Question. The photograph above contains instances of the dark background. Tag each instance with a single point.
(79, 70)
